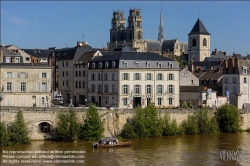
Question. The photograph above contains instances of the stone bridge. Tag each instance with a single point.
(41, 121)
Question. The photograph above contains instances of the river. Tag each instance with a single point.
(171, 150)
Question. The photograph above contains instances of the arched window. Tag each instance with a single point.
(44, 127)
(93, 65)
(106, 64)
(204, 42)
(113, 64)
(139, 35)
(194, 42)
(148, 65)
(100, 64)
(159, 65)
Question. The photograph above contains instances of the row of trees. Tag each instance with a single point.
(147, 123)
(16, 133)
(69, 127)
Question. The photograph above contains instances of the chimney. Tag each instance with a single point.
(199, 70)
(50, 61)
(216, 51)
(1, 56)
(32, 61)
(230, 66)
(211, 68)
(225, 53)
(236, 66)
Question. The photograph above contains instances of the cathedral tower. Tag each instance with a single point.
(161, 33)
(198, 42)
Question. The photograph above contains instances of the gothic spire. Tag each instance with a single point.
(161, 33)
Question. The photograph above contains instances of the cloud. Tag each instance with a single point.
(18, 21)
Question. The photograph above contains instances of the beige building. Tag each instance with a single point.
(130, 79)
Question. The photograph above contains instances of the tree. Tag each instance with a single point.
(68, 126)
(93, 127)
(228, 118)
(3, 135)
(18, 132)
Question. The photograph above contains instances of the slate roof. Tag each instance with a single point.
(211, 75)
(153, 45)
(132, 56)
(207, 64)
(86, 57)
(199, 28)
(217, 59)
(198, 75)
(191, 89)
(168, 45)
(66, 54)
(7, 52)
(39, 53)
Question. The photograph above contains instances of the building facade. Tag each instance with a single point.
(130, 79)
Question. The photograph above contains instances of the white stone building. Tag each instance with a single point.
(129, 79)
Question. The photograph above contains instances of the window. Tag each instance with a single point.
(100, 65)
(113, 88)
(125, 76)
(67, 73)
(170, 77)
(17, 59)
(63, 64)
(44, 75)
(22, 101)
(76, 73)
(83, 84)
(159, 89)
(106, 76)
(93, 64)
(170, 101)
(23, 86)
(125, 101)
(113, 76)
(63, 73)
(245, 80)
(44, 86)
(9, 74)
(194, 42)
(125, 64)
(137, 76)
(63, 83)
(159, 76)
(125, 89)
(244, 71)
(234, 79)
(9, 102)
(92, 77)
(99, 76)
(8, 60)
(67, 83)
(106, 88)
(170, 65)
(148, 89)
(234, 90)
(43, 101)
(9, 86)
(137, 65)
(80, 84)
(211, 81)
(170, 89)
(67, 63)
(204, 42)
(192, 82)
(226, 80)
(22, 75)
(113, 64)
(83, 73)
(76, 84)
(159, 101)
(159, 65)
(148, 76)
(92, 88)
(80, 74)
(106, 100)
(137, 89)
(106, 64)
(99, 88)
(148, 65)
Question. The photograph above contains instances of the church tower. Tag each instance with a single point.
(117, 31)
(198, 42)
(161, 33)
(134, 31)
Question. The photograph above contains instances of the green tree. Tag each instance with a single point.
(18, 132)
(68, 126)
(228, 118)
(3, 135)
(189, 125)
(93, 127)
(170, 127)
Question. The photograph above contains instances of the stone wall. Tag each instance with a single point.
(113, 119)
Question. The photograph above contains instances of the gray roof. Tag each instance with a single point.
(199, 28)
(217, 59)
(7, 52)
(39, 53)
(153, 45)
(168, 45)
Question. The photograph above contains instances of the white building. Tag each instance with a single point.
(129, 79)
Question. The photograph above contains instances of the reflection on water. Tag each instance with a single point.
(172, 150)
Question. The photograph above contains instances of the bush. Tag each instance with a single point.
(68, 126)
(228, 118)
(3, 135)
(189, 125)
(145, 123)
(18, 132)
(93, 127)
(170, 127)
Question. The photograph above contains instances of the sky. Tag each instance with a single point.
(44, 24)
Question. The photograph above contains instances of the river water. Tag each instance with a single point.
(171, 150)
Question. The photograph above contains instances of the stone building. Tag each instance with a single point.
(129, 79)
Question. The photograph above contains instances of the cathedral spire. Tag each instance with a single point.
(161, 33)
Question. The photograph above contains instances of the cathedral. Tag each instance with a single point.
(196, 49)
